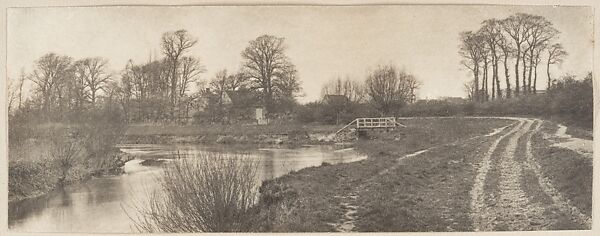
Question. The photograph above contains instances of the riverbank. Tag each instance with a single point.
(31, 178)
(296, 134)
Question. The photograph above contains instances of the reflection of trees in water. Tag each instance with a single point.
(268, 165)
(29, 207)
(61, 214)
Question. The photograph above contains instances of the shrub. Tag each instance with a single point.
(205, 193)
(30, 178)
(64, 153)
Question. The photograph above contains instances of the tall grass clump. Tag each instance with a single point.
(207, 192)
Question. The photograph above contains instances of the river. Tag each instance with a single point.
(105, 204)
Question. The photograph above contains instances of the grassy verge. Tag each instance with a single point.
(565, 167)
(428, 192)
(314, 194)
(537, 197)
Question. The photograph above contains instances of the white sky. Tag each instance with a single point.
(323, 41)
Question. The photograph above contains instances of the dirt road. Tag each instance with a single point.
(511, 208)
(508, 187)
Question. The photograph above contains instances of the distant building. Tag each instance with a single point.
(261, 119)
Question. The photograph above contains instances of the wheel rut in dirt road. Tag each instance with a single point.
(481, 217)
(511, 208)
(546, 185)
(349, 202)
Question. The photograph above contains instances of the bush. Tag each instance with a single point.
(30, 178)
(568, 99)
(318, 112)
(205, 193)
(431, 108)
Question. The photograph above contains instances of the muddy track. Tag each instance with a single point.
(511, 209)
(559, 200)
(349, 203)
(481, 217)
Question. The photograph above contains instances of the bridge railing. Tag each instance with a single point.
(379, 122)
(373, 123)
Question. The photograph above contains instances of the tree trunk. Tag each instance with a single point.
(507, 76)
(476, 74)
(93, 97)
(535, 80)
(498, 89)
(173, 87)
(523, 79)
(485, 78)
(530, 71)
(517, 72)
(493, 86)
(548, 72)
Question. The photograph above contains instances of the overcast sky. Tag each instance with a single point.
(323, 42)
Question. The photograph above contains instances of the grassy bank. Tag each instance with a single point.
(46, 156)
(33, 178)
(565, 167)
(226, 134)
(406, 200)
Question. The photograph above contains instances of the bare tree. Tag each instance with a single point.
(174, 45)
(470, 89)
(470, 50)
(190, 69)
(537, 58)
(556, 55)
(77, 89)
(51, 70)
(22, 77)
(507, 52)
(12, 93)
(491, 32)
(351, 89)
(236, 81)
(515, 26)
(485, 52)
(266, 64)
(219, 86)
(93, 75)
(286, 85)
(390, 88)
(541, 32)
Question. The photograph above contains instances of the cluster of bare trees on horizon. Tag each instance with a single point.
(385, 90)
(523, 39)
(163, 88)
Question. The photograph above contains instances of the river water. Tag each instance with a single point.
(105, 205)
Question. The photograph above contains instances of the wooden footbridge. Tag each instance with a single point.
(361, 124)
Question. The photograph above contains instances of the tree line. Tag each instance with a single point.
(162, 89)
(384, 92)
(522, 41)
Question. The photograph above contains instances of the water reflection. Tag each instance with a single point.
(102, 204)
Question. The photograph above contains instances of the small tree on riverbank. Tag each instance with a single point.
(205, 193)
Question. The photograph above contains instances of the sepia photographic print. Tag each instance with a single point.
(341, 116)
